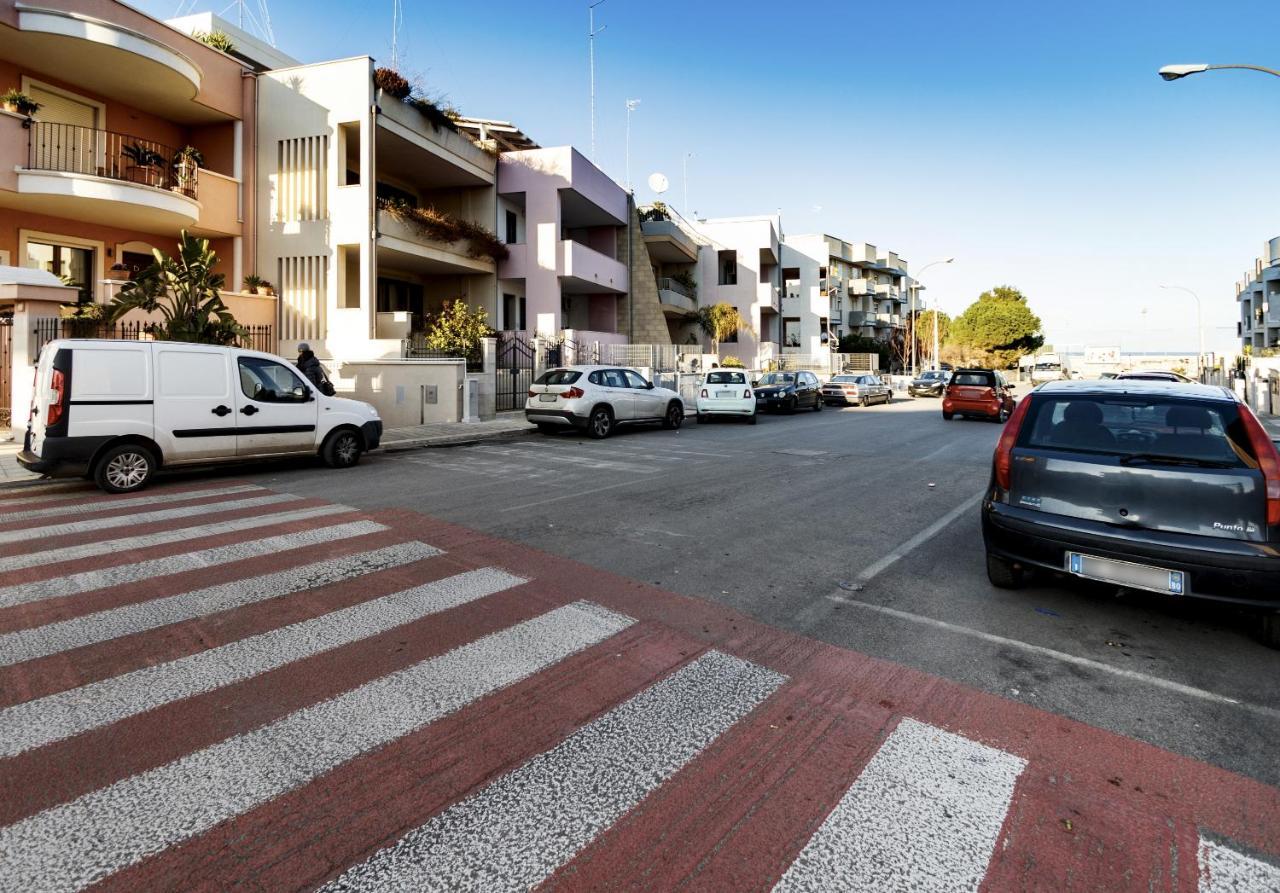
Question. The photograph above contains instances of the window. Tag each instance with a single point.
(974, 379)
(349, 277)
(635, 380)
(512, 228)
(394, 193)
(728, 265)
(822, 272)
(270, 382)
(564, 376)
(349, 151)
(790, 274)
(613, 378)
(791, 332)
(726, 378)
(74, 266)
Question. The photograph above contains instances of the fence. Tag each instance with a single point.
(416, 349)
(254, 338)
(105, 153)
(657, 357)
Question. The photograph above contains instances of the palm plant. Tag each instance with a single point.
(185, 291)
(720, 322)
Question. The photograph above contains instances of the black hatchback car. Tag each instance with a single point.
(1170, 488)
(930, 383)
(788, 391)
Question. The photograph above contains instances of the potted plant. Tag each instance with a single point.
(147, 163)
(253, 283)
(186, 168)
(118, 273)
(14, 100)
(267, 288)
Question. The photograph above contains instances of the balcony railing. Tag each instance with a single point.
(669, 284)
(68, 148)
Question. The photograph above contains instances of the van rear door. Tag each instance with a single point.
(195, 408)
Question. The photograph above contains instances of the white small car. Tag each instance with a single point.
(726, 392)
(597, 399)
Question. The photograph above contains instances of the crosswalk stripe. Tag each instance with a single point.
(123, 574)
(90, 629)
(518, 830)
(48, 493)
(924, 815)
(53, 557)
(52, 718)
(1224, 870)
(126, 502)
(29, 534)
(75, 844)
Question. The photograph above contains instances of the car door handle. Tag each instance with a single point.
(221, 410)
(249, 410)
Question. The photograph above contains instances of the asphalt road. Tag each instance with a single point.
(859, 527)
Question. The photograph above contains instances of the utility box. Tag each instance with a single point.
(430, 394)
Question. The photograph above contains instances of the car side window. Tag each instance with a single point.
(635, 380)
(613, 378)
(269, 382)
(596, 377)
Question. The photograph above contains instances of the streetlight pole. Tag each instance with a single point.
(631, 107)
(1199, 323)
(1176, 72)
(592, 31)
(915, 290)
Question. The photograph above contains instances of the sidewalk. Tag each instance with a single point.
(10, 471)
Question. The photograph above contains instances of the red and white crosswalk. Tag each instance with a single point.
(216, 686)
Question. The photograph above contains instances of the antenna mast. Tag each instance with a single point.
(592, 31)
(397, 21)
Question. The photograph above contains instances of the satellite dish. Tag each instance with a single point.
(658, 183)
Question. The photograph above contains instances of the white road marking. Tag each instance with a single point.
(37, 723)
(125, 502)
(580, 493)
(522, 827)
(578, 461)
(924, 815)
(1224, 870)
(124, 574)
(1167, 684)
(75, 844)
(146, 540)
(918, 540)
(61, 493)
(90, 629)
(36, 534)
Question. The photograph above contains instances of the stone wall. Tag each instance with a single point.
(650, 322)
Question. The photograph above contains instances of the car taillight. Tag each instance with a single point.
(704, 392)
(572, 393)
(747, 394)
(56, 389)
(1004, 449)
(532, 392)
(1268, 462)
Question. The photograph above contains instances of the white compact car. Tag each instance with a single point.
(118, 410)
(726, 392)
(597, 399)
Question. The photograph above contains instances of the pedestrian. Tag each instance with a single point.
(310, 366)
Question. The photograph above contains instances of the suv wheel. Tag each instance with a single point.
(600, 423)
(674, 417)
(124, 468)
(1002, 574)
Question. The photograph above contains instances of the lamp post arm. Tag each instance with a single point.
(1270, 71)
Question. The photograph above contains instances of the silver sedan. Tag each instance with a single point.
(863, 389)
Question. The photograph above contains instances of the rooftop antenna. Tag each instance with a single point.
(631, 107)
(397, 22)
(592, 31)
(259, 19)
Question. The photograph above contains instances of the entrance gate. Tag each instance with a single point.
(514, 372)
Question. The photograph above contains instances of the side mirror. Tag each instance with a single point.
(755, 383)
(648, 386)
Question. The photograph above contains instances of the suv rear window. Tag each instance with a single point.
(726, 378)
(1154, 427)
(558, 376)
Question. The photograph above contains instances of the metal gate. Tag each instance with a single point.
(514, 372)
(6, 372)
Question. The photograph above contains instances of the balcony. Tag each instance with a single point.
(769, 298)
(406, 246)
(409, 148)
(583, 270)
(886, 290)
(676, 299)
(668, 243)
(862, 287)
(860, 318)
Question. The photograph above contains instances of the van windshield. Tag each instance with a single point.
(1140, 427)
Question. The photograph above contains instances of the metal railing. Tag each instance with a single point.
(416, 349)
(69, 148)
(669, 284)
(254, 338)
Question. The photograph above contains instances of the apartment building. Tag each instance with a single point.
(741, 266)
(140, 132)
(673, 249)
(1258, 293)
(834, 288)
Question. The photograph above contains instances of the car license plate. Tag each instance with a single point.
(1126, 573)
(723, 394)
(547, 398)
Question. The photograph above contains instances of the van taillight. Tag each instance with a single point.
(1268, 462)
(1004, 449)
(57, 387)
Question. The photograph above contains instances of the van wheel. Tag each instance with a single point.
(1002, 574)
(124, 468)
(342, 449)
(1269, 629)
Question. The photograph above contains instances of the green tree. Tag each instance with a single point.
(856, 343)
(720, 322)
(185, 291)
(996, 329)
(459, 329)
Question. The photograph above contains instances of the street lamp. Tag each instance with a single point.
(915, 361)
(1175, 72)
(1199, 323)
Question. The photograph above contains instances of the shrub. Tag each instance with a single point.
(218, 40)
(392, 83)
(444, 227)
(732, 363)
(458, 329)
(437, 116)
(21, 102)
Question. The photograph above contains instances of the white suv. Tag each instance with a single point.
(597, 399)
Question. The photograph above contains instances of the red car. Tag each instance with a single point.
(978, 392)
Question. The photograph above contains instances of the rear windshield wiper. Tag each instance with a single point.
(1159, 459)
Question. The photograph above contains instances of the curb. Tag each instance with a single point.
(449, 441)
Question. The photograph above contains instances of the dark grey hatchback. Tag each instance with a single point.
(1170, 488)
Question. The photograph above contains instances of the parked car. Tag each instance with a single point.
(863, 390)
(117, 411)
(1153, 375)
(597, 399)
(1170, 488)
(978, 392)
(930, 383)
(726, 392)
(788, 391)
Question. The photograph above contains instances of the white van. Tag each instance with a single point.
(116, 411)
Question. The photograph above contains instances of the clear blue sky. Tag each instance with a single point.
(1033, 141)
